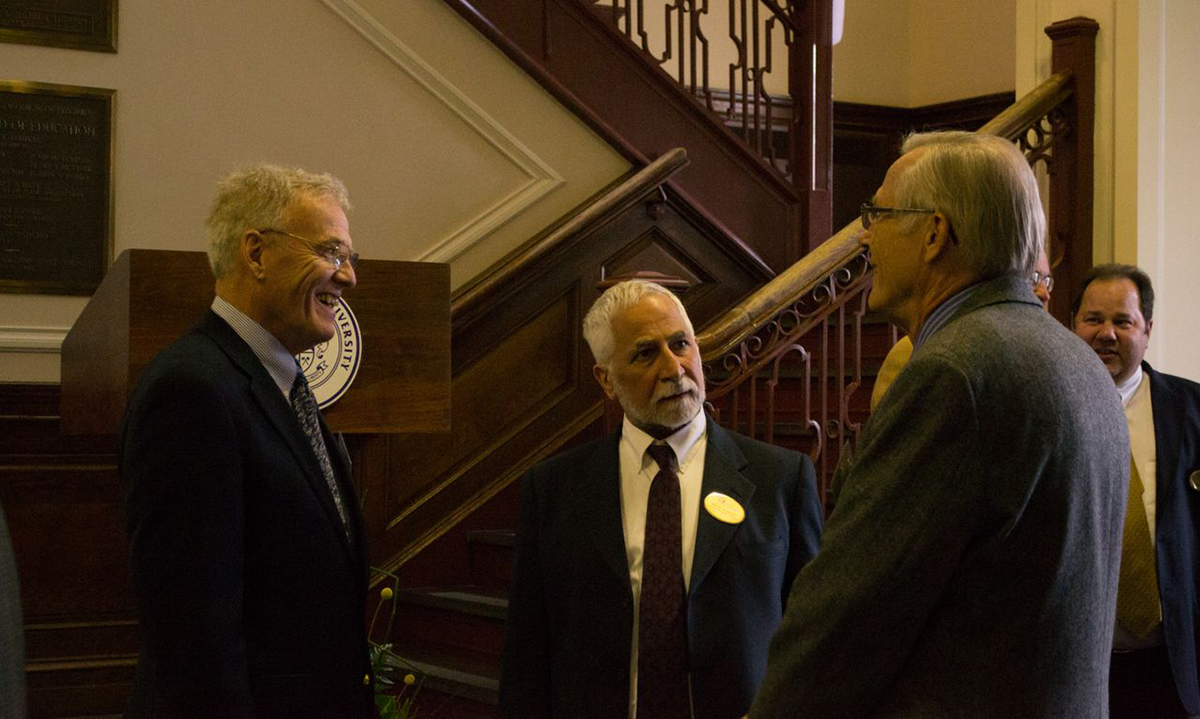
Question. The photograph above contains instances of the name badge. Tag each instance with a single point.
(724, 508)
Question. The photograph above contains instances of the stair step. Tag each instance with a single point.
(491, 558)
(464, 623)
(452, 686)
(477, 601)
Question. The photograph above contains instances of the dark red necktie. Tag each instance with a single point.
(662, 627)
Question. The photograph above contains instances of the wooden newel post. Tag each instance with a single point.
(150, 298)
(810, 80)
(1070, 169)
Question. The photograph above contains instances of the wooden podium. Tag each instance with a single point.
(150, 298)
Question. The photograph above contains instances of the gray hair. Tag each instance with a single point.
(257, 197)
(984, 185)
(597, 325)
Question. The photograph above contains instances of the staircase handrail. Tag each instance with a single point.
(1039, 102)
(608, 205)
(741, 321)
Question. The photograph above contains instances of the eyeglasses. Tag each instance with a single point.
(872, 213)
(332, 252)
(1046, 280)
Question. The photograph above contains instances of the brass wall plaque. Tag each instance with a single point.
(55, 187)
(77, 24)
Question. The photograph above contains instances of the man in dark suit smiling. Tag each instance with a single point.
(1154, 670)
(653, 564)
(249, 561)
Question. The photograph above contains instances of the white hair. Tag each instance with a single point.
(597, 325)
(985, 187)
(257, 197)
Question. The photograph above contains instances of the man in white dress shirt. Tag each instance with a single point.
(653, 564)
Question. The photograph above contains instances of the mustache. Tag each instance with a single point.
(670, 388)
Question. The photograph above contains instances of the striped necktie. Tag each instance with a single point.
(305, 406)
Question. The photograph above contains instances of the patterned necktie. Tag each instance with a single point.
(1138, 607)
(305, 406)
(662, 691)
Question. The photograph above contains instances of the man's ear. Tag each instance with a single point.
(251, 250)
(602, 376)
(938, 239)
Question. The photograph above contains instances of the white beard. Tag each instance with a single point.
(669, 415)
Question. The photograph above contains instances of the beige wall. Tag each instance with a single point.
(1146, 156)
(451, 153)
(1168, 163)
(910, 53)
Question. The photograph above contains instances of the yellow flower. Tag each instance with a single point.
(409, 680)
(386, 593)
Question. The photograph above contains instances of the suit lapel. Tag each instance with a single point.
(1166, 411)
(597, 504)
(279, 413)
(723, 465)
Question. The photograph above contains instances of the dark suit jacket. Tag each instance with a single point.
(969, 567)
(250, 596)
(570, 614)
(1176, 406)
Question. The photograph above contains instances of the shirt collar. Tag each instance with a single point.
(942, 314)
(683, 440)
(279, 363)
(1129, 386)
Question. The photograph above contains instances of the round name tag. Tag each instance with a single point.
(724, 508)
(331, 366)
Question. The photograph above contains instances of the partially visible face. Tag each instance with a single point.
(1110, 321)
(895, 253)
(300, 290)
(1042, 268)
(655, 371)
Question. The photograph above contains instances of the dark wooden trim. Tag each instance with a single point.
(28, 399)
(1072, 161)
(968, 113)
(810, 75)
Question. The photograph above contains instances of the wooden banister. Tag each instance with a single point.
(1028, 110)
(741, 320)
(606, 206)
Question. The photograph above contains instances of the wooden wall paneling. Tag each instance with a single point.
(867, 141)
(61, 497)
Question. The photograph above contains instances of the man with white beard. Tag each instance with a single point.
(653, 564)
